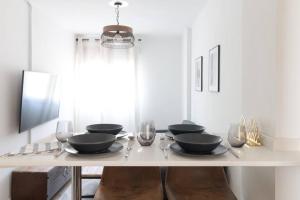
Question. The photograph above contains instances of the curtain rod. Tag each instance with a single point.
(96, 37)
(88, 36)
(87, 39)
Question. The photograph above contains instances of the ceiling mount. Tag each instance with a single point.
(118, 3)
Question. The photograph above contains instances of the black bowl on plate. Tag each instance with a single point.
(105, 128)
(195, 142)
(91, 143)
(185, 128)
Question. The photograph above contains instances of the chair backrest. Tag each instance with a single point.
(124, 177)
(196, 177)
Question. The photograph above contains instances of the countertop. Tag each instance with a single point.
(153, 156)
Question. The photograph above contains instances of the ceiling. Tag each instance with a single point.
(145, 16)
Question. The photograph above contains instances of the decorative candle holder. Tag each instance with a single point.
(253, 134)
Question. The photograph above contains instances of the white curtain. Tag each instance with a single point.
(105, 90)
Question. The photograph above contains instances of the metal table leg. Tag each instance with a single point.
(76, 183)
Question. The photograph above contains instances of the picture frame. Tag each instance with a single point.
(199, 74)
(214, 63)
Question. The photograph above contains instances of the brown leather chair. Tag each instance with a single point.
(130, 183)
(197, 183)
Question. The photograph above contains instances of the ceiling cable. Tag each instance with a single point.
(117, 13)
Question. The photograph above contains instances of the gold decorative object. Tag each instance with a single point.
(253, 134)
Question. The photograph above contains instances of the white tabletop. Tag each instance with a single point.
(153, 156)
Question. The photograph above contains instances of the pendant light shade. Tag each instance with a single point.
(117, 36)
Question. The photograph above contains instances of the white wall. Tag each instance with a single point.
(160, 79)
(270, 45)
(258, 183)
(186, 73)
(219, 23)
(13, 58)
(287, 181)
(246, 31)
(288, 59)
(260, 86)
(260, 83)
(52, 51)
(270, 80)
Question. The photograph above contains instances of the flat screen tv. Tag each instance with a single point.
(39, 99)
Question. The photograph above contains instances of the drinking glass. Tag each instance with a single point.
(237, 135)
(146, 134)
(64, 130)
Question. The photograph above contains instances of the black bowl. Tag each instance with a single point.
(105, 128)
(185, 128)
(90, 143)
(195, 142)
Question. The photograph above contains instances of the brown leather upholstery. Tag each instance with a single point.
(130, 183)
(197, 183)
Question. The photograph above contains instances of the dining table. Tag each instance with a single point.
(154, 155)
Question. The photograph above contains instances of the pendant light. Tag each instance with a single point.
(117, 36)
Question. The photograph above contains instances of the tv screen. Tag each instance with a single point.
(40, 99)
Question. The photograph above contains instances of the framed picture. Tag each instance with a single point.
(199, 74)
(214, 69)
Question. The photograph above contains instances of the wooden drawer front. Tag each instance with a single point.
(29, 186)
(38, 183)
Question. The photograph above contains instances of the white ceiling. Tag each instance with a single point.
(145, 16)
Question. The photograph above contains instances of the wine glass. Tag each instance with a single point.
(237, 135)
(146, 134)
(64, 130)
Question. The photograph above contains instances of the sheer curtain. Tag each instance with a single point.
(105, 85)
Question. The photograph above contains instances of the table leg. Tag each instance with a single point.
(76, 183)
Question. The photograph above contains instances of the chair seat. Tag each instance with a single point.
(197, 183)
(130, 183)
(140, 193)
(203, 194)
